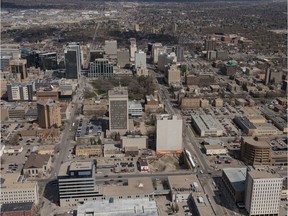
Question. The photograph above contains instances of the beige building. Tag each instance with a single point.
(169, 134)
(14, 189)
(134, 140)
(204, 103)
(262, 193)
(215, 150)
(37, 165)
(118, 110)
(173, 75)
(49, 114)
(190, 103)
(88, 150)
(19, 66)
(46, 149)
(218, 102)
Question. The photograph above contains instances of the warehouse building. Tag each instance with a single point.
(206, 125)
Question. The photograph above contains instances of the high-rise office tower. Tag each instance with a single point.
(49, 114)
(19, 66)
(169, 134)
(72, 60)
(140, 59)
(210, 44)
(123, 58)
(76, 182)
(180, 53)
(173, 74)
(20, 91)
(100, 68)
(118, 110)
(110, 47)
(262, 193)
(133, 49)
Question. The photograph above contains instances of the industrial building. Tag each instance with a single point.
(206, 125)
(262, 193)
(100, 68)
(169, 134)
(74, 175)
(118, 110)
(20, 91)
(49, 113)
(14, 189)
(234, 180)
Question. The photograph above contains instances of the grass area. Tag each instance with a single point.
(138, 87)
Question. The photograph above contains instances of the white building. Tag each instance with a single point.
(169, 134)
(132, 49)
(119, 207)
(135, 108)
(14, 189)
(262, 193)
(215, 150)
(140, 59)
(206, 125)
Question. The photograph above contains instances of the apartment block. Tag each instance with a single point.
(20, 91)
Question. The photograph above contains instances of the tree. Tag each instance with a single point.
(14, 140)
(99, 142)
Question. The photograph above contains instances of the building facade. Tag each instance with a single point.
(72, 60)
(49, 113)
(118, 110)
(169, 134)
(262, 193)
(110, 47)
(140, 59)
(19, 67)
(123, 58)
(100, 68)
(14, 189)
(20, 91)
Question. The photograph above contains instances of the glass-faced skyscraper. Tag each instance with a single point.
(72, 60)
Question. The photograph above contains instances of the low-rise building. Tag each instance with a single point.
(13, 149)
(234, 180)
(135, 109)
(206, 125)
(14, 189)
(18, 209)
(119, 207)
(88, 150)
(200, 205)
(215, 150)
(37, 165)
(190, 103)
(204, 103)
(152, 104)
(134, 140)
(218, 102)
(143, 165)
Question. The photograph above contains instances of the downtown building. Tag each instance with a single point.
(19, 67)
(100, 68)
(72, 60)
(20, 91)
(169, 134)
(262, 193)
(118, 110)
(76, 182)
(49, 113)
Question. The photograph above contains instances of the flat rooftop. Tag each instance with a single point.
(202, 204)
(255, 174)
(14, 181)
(206, 122)
(117, 207)
(136, 186)
(119, 91)
(74, 165)
(183, 181)
(237, 177)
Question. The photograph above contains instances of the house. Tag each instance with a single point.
(37, 165)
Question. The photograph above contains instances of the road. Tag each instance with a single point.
(63, 149)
